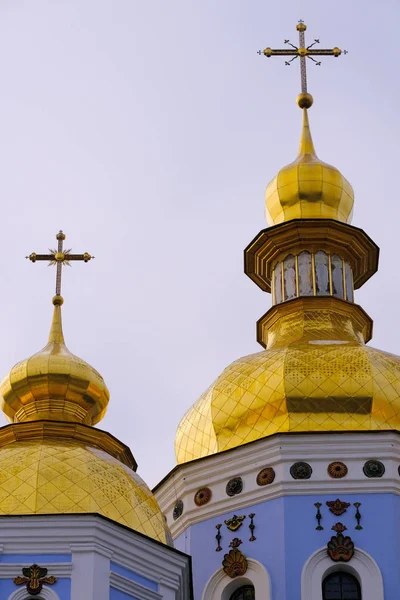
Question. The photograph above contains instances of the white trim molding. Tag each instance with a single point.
(362, 566)
(45, 594)
(221, 587)
(279, 451)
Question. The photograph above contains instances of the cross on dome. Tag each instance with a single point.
(59, 257)
(302, 51)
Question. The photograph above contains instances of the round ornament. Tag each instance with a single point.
(202, 496)
(266, 476)
(301, 470)
(178, 510)
(234, 486)
(373, 468)
(337, 470)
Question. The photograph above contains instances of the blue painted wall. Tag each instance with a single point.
(286, 537)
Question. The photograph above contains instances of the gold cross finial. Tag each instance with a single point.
(59, 257)
(305, 99)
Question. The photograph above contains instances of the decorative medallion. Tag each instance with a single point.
(178, 510)
(337, 507)
(252, 527)
(218, 538)
(202, 496)
(34, 577)
(318, 516)
(235, 522)
(373, 468)
(358, 515)
(340, 548)
(234, 563)
(301, 470)
(337, 470)
(234, 486)
(235, 543)
(339, 527)
(266, 476)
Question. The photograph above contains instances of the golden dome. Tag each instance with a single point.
(308, 188)
(54, 384)
(44, 472)
(315, 375)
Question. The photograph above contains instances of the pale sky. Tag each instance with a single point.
(148, 130)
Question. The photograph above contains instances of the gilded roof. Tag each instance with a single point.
(304, 386)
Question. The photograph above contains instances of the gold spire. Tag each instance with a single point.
(54, 383)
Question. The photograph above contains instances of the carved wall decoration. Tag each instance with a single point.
(235, 543)
(339, 527)
(340, 548)
(373, 468)
(202, 496)
(178, 510)
(266, 476)
(318, 516)
(337, 470)
(337, 507)
(358, 515)
(234, 563)
(301, 470)
(252, 527)
(218, 537)
(235, 522)
(234, 486)
(34, 577)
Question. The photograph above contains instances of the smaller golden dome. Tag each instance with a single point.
(51, 476)
(54, 384)
(308, 188)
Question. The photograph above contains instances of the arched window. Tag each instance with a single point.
(341, 586)
(246, 592)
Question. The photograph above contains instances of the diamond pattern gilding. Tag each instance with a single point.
(44, 477)
(304, 386)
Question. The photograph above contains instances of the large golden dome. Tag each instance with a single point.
(315, 375)
(51, 473)
(308, 188)
(54, 384)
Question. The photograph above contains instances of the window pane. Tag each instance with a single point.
(245, 592)
(349, 282)
(290, 277)
(278, 283)
(337, 276)
(341, 586)
(322, 275)
(305, 274)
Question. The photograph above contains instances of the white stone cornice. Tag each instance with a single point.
(280, 452)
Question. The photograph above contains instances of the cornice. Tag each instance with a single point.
(279, 452)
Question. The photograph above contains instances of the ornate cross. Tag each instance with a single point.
(60, 257)
(302, 52)
(34, 577)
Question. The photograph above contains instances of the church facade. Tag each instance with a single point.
(287, 484)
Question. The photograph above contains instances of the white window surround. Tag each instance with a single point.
(45, 594)
(362, 566)
(221, 587)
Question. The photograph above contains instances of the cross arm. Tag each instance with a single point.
(34, 257)
(279, 52)
(85, 257)
(325, 52)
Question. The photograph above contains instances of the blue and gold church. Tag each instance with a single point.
(287, 484)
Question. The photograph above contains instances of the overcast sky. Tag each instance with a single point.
(148, 130)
